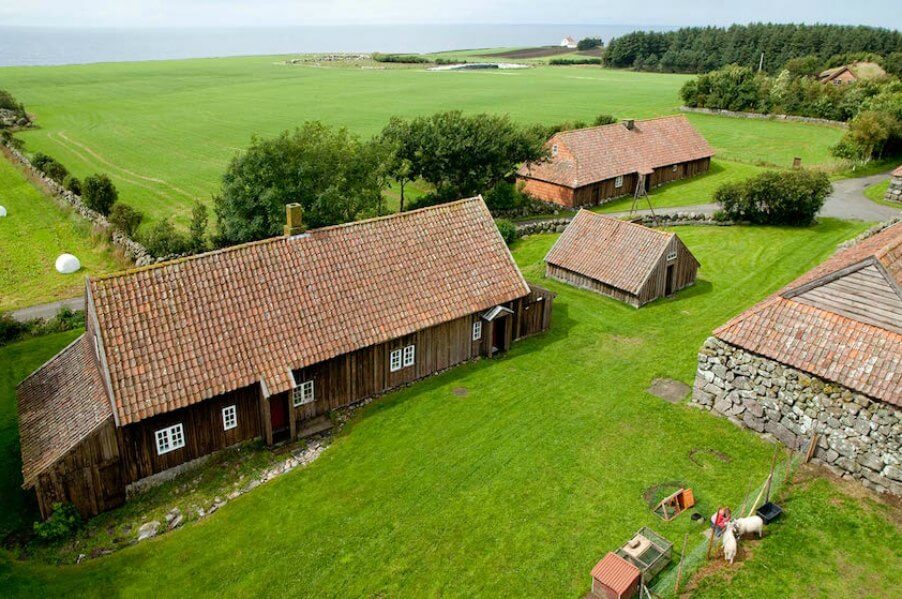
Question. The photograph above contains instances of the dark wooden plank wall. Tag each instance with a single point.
(204, 432)
(90, 476)
(686, 270)
(578, 280)
(533, 315)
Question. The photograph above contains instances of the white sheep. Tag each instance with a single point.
(749, 525)
(729, 543)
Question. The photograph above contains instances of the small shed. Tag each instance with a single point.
(626, 261)
(648, 551)
(615, 578)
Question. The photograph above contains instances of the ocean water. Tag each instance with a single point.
(53, 46)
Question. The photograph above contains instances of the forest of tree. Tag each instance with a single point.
(703, 49)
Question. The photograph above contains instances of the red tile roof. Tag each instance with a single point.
(60, 404)
(836, 347)
(615, 252)
(609, 151)
(181, 332)
(616, 573)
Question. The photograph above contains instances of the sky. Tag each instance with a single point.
(263, 13)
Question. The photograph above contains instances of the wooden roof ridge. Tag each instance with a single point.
(276, 239)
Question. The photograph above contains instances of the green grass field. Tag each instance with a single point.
(32, 235)
(522, 485)
(165, 131)
(876, 193)
(16, 362)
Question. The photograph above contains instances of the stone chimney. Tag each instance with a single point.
(294, 219)
(629, 124)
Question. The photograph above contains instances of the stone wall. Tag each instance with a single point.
(894, 191)
(132, 250)
(767, 117)
(858, 437)
(666, 219)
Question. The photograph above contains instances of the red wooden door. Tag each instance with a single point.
(278, 413)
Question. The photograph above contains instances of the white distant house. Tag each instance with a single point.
(568, 42)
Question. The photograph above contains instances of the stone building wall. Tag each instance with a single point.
(859, 437)
(894, 191)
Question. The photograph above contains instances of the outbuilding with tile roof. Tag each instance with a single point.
(263, 340)
(623, 260)
(587, 167)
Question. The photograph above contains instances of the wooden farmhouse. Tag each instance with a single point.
(822, 355)
(263, 340)
(623, 260)
(587, 167)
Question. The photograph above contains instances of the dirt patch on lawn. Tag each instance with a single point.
(460, 391)
(699, 456)
(540, 52)
(669, 390)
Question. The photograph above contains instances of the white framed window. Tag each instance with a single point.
(170, 438)
(618, 182)
(394, 360)
(477, 330)
(410, 354)
(554, 150)
(671, 256)
(229, 418)
(302, 394)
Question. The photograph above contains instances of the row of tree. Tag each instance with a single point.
(703, 49)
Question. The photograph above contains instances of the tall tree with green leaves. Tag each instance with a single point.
(399, 147)
(331, 173)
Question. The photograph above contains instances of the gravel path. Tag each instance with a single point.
(48, 310)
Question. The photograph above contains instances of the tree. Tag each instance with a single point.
(604, 119)
(73, 184)
(587, 43)
(868, 135)
(331, 173)
(125, 218)
(804, 66)
(464, 155)
(99, 193)
(162, 239)
(399, 147)
(775, 197)
(197, 231)
(893, 64)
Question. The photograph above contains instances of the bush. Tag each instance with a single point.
(604, 119)
(503, 196)
(99, 193)
(197, 232)
(507, 229)
(56, 171)
(8, 101)
(125, 218)
(569, 61)
(587, 43)
(11, 329)
(61, 524)
(775, 197)
(400, 58)
(72, 184)
(164, 240)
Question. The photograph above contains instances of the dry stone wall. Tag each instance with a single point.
(894, 191)
(766, 117)
(858, 437)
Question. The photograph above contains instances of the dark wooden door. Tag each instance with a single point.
(669, 284)
(278, 413)
(499, 338)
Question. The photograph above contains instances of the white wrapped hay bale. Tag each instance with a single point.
(67, 264)
(2, 211)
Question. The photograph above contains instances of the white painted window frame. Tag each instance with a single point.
(229, 418)
(618, 182)
(477, 330)
(170, 438)
(671, 256)
(410, 355)
(674, 168)
(303, 393)
(395, 359)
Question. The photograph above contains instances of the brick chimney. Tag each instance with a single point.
(629, 124)
(294, 219)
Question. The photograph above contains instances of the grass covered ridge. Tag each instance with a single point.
(523, 484)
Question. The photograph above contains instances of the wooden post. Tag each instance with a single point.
(710, 543)
(676, 587)
(770, 477)
(812, 445)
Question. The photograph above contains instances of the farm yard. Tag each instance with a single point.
(524, 481)
(164, 131)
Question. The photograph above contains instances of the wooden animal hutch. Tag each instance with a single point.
(648, 551)
(615, 578)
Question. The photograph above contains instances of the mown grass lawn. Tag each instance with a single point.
(876, 193)
(165, 131)
(16, 362)
(32, 235)
(518, 487)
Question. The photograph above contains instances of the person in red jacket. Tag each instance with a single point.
(719, 520)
